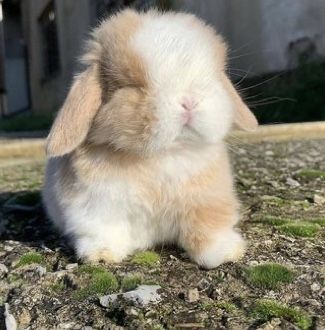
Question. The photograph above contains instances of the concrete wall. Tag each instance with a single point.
(265, 35)
(73, 20)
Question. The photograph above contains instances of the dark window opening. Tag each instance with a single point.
(50, 47)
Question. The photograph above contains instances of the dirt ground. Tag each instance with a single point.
(279, 284)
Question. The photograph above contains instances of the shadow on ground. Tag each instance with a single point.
(23, 218)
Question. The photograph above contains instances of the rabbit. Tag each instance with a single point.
(136, 154)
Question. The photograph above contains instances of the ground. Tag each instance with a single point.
(279, 284)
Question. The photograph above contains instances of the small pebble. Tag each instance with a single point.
(105, 301)
(67, 325)
(132, 312)
(203, 285)
(315, 287)
(3, 270)
(292, 183)
(41, 271)
(8, 248)
(268, 242)
(319, 200)
(193, 295)
(71, 266)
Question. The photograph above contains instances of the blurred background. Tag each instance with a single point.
(276, 50)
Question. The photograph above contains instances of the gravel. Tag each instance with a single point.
(174, 293)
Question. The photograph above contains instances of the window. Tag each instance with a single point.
(49, 40)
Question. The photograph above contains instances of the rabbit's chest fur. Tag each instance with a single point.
(146, 200)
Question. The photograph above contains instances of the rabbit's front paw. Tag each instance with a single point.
(103, 255)
(89, 251)
(226, 246)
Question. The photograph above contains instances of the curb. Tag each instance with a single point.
(26, 148)
(282, 132)
(34, 147)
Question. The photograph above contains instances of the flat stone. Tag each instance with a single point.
(105, 301)
(144, 294)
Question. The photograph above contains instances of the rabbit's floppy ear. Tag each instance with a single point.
(73, 121)
(243, 117)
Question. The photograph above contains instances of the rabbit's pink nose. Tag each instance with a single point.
(188, 103)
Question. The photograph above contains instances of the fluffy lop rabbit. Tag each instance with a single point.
(136, 154)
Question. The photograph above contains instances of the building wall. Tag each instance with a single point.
(73, 20)
(265, 35)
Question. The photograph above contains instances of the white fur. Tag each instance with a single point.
(181, 63)
(109, 218)
(227, 246)
(111, 214)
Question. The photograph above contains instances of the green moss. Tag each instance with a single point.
(274, 221)
(146, 258)
(14, 278)
(57, 287)
(207, 306)
(30, 258)
(265, 310)
(100, 283)
(91, 269)
(306, 228)
(227, 306)
(131, 282)
(103, 283)
(151, 282)
(302, 229)
(158, 327)
(311, 174)
(319, 221)
(274, 200)
(269, 276)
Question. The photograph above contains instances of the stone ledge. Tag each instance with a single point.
(283, 132)
(34, 147)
